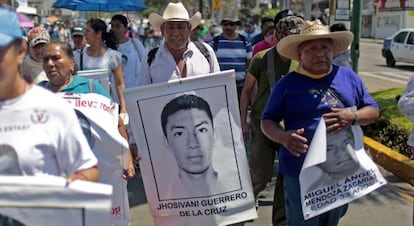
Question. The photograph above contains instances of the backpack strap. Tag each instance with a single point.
(81, 60)
(271, 72)
(91, 86)
(151, 55)
(204, 51)
(215, 42)
(243, 38)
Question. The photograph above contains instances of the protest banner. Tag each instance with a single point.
(98, 117)
(193, 159)
(336, 170)
(47, 200)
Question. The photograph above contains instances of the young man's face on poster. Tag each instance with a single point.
(190, 135)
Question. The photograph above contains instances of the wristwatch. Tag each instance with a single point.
(356, 118)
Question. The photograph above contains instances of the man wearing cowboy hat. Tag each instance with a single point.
(177, 57)
(266, 68)
(317, 90)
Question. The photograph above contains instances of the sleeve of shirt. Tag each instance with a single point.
(274, 106)
(73, 153)
(254, 66)
(144, 76)
(116, 59)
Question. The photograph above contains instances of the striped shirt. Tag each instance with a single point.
(233, 54)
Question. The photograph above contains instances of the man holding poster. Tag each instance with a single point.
(315, 101)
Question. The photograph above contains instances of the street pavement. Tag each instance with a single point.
(390, 205)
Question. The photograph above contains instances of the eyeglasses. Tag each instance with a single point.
(229, 24)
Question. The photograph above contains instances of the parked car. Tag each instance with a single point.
(399, 47)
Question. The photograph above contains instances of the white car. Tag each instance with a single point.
(399, 47)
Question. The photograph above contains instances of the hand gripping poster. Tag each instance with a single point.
(48, 200)
(98, 117)
(336, 171)
(193, 158)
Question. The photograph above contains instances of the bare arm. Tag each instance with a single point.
(129, 172)
(90, 174)
(340, 118)
(247, 90)
(120, 86)
(292, 140)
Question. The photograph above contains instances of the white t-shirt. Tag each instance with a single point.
(131, 61)
(110, 60)
(43, 130)
(33, 70)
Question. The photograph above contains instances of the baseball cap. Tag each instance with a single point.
(38, 35)
(290, 24)
(249, 21)
(10, 29)
(282, 14)
(77, 31)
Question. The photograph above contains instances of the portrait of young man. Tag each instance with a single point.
(191, 150)
(187, 124)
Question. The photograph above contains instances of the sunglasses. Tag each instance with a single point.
(229, 24)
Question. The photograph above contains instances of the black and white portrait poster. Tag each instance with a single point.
(98, 117)
(47, 200)
(193, 158)
(336, 171)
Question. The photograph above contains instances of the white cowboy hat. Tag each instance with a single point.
(288, 46)
(174, 12)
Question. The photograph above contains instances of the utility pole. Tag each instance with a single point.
(356, 29)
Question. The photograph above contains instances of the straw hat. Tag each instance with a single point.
(174, 12)
(288, 46)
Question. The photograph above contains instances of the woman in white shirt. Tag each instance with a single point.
(102, 54)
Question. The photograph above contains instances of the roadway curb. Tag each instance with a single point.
(391, 160)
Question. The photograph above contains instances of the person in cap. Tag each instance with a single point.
(78, 38)
(233, 50)
(266, 23)
(54, 143)
(266, 67)
(178, 57)
(250, 30)
(317, 90)
(38, 38)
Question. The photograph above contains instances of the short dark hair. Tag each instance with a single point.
(121, 18)
(338, 27)
(265, 20)
(183, 102)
